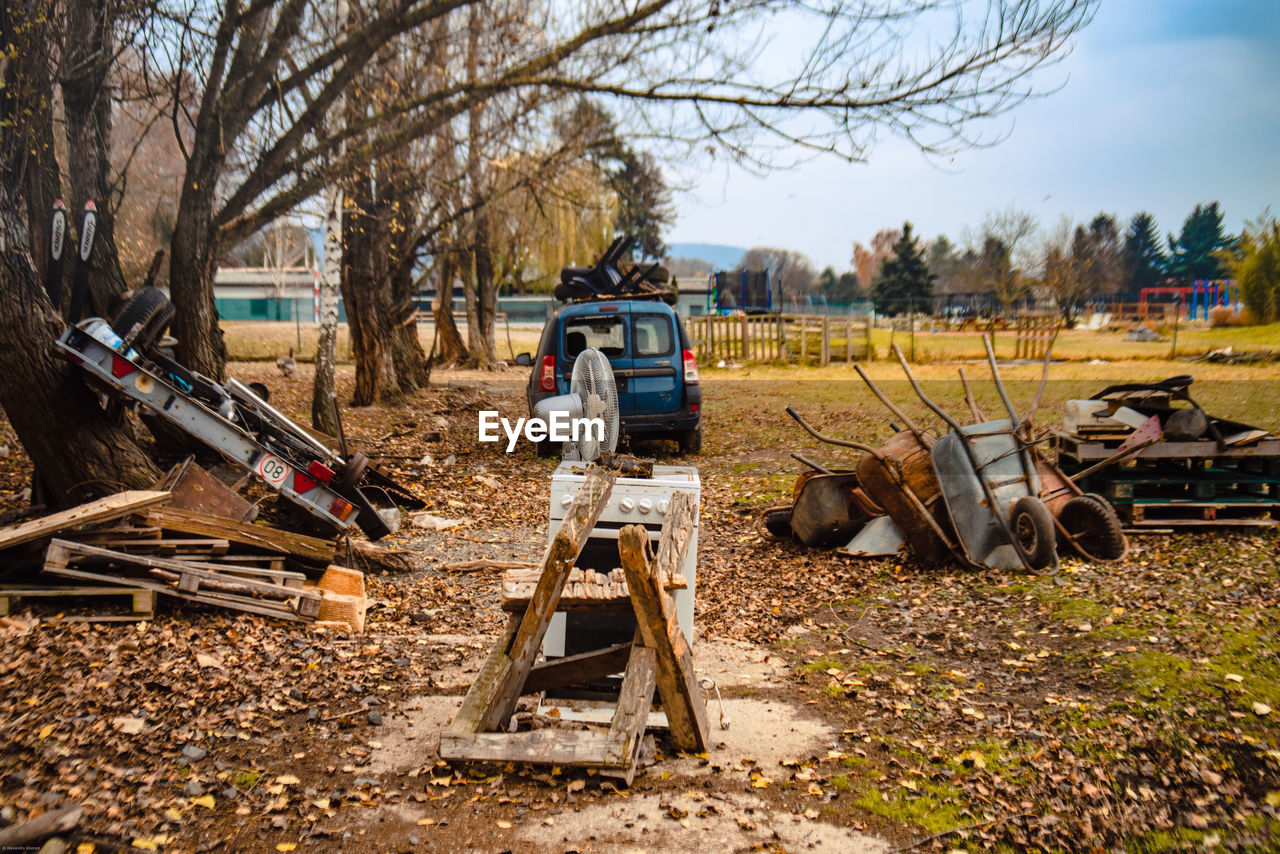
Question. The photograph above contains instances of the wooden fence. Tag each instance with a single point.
(779, 338)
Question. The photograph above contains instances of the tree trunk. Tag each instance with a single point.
(77, 450)
(87, 107)
(370, 332)
(479, 286)
(193, 259)
(412, 369)
(452, 350)
(324, 394)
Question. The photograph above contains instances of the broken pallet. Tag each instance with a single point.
(143, 601)
(279, 596)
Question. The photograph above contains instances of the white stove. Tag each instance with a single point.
(634, 501)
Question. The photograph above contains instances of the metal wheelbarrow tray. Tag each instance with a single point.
(981, 472)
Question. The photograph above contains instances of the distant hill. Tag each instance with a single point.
(720, 256)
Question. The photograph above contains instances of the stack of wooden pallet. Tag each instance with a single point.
(133, 545)
(657, 660)
(1175, 484)
(1190, 470)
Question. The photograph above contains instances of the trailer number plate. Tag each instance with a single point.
(273, 469)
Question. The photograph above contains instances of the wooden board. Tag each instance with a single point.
(588, 748)
(682, 698)
(573, 669)
(485, 685)
(258, 536)
(102, 510)
(626, 733)
(166, 546)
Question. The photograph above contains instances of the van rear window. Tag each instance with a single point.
(606, 334)
(652, 336)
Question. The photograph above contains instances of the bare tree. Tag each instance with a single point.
(867, 260)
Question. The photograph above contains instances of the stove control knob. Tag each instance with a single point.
(626, 505)
(566, 500)
(645, 505)
(662, 506)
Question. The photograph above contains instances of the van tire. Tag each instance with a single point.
(691, 442)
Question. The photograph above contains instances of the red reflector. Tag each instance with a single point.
(548, 382)
(341, 509)
(121, 367)
(302, 483)
(320, 471)
(693, 407)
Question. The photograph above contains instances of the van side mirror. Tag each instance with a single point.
(524, 360)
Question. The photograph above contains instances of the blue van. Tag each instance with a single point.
(653, 365)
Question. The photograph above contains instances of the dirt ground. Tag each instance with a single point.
(862, 705)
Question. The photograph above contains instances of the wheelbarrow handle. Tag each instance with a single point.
(820, 469)
(830, 440)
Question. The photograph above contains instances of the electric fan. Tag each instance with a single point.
(592, 394)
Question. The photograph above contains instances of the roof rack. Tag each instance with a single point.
(631, 295)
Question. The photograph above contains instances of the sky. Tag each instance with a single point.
(1164, 104)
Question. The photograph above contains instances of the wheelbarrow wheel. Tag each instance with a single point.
(776, 521)
(1033, 533)
(1094, 526)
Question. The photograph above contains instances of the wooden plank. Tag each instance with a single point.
(682, 698)
(487, 682)
(634, 702)
(579, 518)
(102, 510)
(574, 669)
(586, 747)
(258, 536)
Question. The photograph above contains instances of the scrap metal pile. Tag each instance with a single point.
(982, 493)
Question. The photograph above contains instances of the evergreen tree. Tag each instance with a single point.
(1144, 260)
(904, 277)
(1191, 254)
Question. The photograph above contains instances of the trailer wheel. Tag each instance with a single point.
(1033, 533)
(1094, 527)
(144, 318)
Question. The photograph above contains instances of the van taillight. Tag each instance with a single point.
(690, 369)
(548, 373)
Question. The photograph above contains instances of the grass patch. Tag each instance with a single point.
(934, 808)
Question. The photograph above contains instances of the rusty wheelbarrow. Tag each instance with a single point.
(896, 478)
(828, 507)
